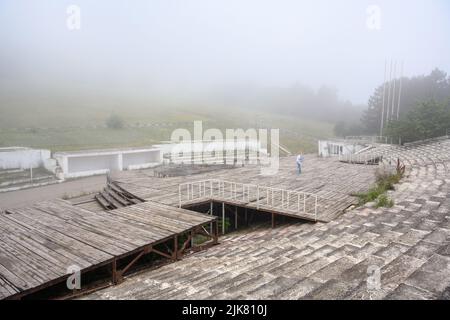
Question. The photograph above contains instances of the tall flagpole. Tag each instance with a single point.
(389, 93)
(393, 90)
(384, 93)
(400, 91)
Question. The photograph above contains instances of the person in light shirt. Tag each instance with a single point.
(299, 161)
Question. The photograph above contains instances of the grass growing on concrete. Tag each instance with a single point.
(385, 181)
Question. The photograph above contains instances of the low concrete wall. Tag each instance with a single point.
(22, 158)
(329, 148)
(92, 162)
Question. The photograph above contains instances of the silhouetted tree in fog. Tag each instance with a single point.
(415, 90)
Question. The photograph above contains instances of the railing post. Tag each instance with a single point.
(271, 200)
(315, 210)
(304, 202)
(188, 190)
(257, 197)
(223, 217)
(288, 198)
(179, 196)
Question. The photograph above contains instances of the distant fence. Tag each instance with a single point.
(372, 139)
(367, 159)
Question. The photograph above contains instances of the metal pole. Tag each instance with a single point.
(211, 207)
(179, 196)
(393, 90)
(246, 218)
(223, 217)
(315, 210)
(272, 199)
(400, 91)
(211, 187)
(188, 193)
(236, 218)
(389, 93)
(304, 202)
(384, 93)
(257, 197)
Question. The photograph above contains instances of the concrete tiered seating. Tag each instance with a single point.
(15, 179)
(409, 243)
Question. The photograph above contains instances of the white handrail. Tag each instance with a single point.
(271, 198)
(365, 158)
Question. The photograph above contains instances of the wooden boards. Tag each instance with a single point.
(39, 243)
(335, 182)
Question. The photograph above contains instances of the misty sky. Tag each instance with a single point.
(151, 46)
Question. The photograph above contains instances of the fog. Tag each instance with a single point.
(212, 50)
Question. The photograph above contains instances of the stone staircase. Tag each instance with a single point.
(17, 179)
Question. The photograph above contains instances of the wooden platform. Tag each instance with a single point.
(335, 182)
(38, 244)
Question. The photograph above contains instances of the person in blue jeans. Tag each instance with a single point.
(299, 161)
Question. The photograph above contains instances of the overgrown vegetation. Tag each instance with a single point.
(114, 122)
(427, 120)
(423, 110)
(384, 181)
(227, 224)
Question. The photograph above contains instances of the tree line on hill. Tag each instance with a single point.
(322, 104)
(424, 110)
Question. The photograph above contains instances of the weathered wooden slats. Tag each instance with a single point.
(39, 243)
(328, 178)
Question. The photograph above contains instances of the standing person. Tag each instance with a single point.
(299, 161)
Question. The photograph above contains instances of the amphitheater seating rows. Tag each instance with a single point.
(409, 243)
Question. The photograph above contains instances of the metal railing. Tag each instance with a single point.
(373, 139)
(361, 158)
(261, 197)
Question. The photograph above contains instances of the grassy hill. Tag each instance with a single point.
(62, 129)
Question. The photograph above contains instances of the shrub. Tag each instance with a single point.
(226, 223)
(384, 201)
(384, 181)
(114, 122)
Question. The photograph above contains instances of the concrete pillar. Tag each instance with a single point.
(120, 162)
(65, 165)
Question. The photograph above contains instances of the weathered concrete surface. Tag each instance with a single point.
(408, 244)
(27, 197)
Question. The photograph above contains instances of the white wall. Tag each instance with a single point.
(79, 164)
(328, 148)
(141, 158)
(93, 163)
(22, 158)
